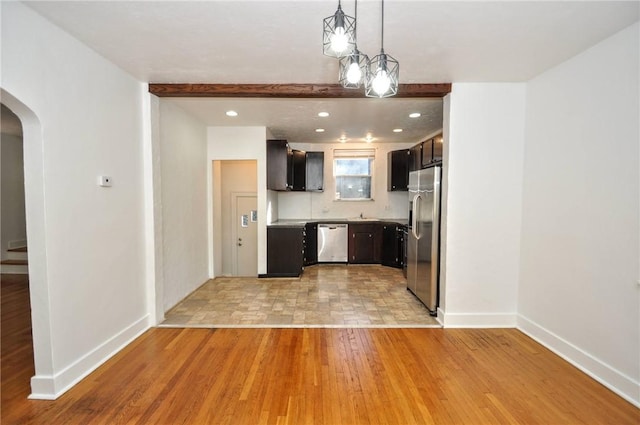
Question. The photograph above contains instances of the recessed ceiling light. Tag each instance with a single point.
(343, 139)
(323, 114)
(232, 113)
(369, 138)
(397, 130)
(319, 130)
(414, 115)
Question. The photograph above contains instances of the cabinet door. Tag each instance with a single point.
(415, 157)
(311, 244)
(398, 170)
(390, 246)
(279, 165)
(299, 159)
(315, 171)
(365, 243)
(285, 250)
(427, 152)
(363, 247)
(437, 148)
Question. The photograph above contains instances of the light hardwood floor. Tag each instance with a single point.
(315, 376)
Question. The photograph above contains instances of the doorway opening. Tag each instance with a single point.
(17, 358)
(235, 185)
(39, 299)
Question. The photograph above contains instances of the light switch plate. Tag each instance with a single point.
(104, 181)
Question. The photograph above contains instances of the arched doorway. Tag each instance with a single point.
(36, 240)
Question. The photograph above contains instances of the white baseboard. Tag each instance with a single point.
(51, 387)
(440, 316)
(478, 320)
(621, 384)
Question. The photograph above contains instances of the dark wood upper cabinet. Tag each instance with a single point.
(427, 152)
(432, 150)
(415, 157)
(315, 171)
(398, 170)
(279, 165)
(299, 170)
(437, 148)
(292, 169)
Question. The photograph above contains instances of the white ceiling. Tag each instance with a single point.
(280, 42)
(297, 120)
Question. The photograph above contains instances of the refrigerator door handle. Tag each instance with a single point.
(414, 224)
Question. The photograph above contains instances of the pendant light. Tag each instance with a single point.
(338, 39)
(353, 68)
(383, 71)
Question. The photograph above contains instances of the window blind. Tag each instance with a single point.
(354, 153)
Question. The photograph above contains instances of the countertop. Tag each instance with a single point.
(302, 222)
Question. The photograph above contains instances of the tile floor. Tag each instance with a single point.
(324, 296)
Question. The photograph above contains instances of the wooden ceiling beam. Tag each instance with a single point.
(288, 90)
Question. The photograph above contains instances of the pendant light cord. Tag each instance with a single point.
(355, 24)
(382, 29)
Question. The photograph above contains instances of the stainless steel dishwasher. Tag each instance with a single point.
(333, 242)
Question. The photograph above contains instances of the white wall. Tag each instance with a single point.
(82, 118)
(232, 143)
(580, 233)
(322, 205)
(483, 167)
(183, 152)
(13, 226)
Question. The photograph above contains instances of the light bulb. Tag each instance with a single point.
(354, 73)
(381, 82)
(339, 40)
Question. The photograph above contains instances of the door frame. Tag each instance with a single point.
(234, 228)
(43, 382)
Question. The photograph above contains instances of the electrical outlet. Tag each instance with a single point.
(104, 181)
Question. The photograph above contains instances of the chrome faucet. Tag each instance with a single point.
(361, 216)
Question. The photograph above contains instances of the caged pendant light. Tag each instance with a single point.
(338, 39)
(383, 71)
(353, 68)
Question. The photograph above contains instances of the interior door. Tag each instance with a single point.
(245, 235)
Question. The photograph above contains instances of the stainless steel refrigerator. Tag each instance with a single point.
(423, 247)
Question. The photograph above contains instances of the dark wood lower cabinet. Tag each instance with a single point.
(285, 251)
(392, 246)
(365, 243)
(291, 248)
(311, 244)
